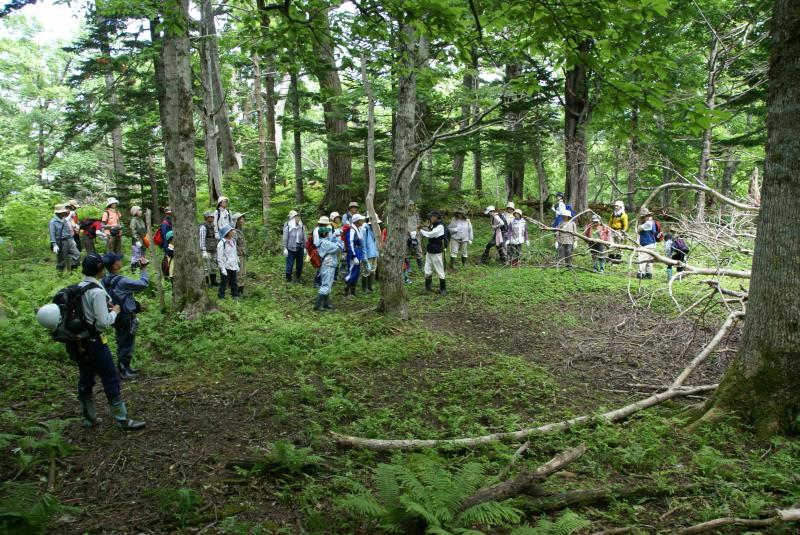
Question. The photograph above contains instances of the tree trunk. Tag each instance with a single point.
(731, 165)
(371, 178)
(230, 160)
(477, 171)
(272, 132)
(460, 156)
(263, 157)
(337, 191)
(705, 149)
(515, 154)
(209, 106)
(394, 300)
(633, 159)
(541, 174)
(299, 196)
(117, 158)
(189, 289)
(577, 110)
(761, 384)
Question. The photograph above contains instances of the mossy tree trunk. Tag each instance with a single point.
(762, 384)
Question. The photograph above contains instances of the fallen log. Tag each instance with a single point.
(786, 515)
(546, 503)
(525, 481)
(616, 415)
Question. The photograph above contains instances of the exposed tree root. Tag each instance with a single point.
(786, 515)
(525, 481)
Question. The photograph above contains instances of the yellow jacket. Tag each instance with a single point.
(619, 222)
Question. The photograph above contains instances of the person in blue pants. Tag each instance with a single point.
(355, 254)
(328, 249)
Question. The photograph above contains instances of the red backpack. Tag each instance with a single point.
(313, 254)
(345, 230)
(659, 234)
(158, 239)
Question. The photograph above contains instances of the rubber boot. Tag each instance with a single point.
(125, 373)
(89, 412)
(318, 302)
(419, 264)
(442, 287)
(669, 274)
(485, 255)
(369, 282)
(120, 413)
(453, 263)
(350, 292)
(463, 261)
(241, 291)
(326, 303)
(406, 278)
(428, 284)
(364, 283)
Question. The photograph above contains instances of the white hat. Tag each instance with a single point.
(619, 203)
(518, 211)
(324, 221)
(377, 219)
(353, 204)
(489, 209)
(222, 198)
(596, 218)
(334, 215)
(510, 205)
(356, 218)
(292, 214)
(110, 201)
(208, 213)
(135, 209)
(566, 213)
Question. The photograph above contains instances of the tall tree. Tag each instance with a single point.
(189, 289)
(210, 105)
(299, 196)
(577, 111)
(461, 153)
(514, 152)
(761, 384)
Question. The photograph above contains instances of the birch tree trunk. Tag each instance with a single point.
(705, 149)
(633, 159)
(371, 179)
(761, 384)
(269, 103)
(394, 300)
(189, 289)
(461, 155)
(263, 158)
(299, 196)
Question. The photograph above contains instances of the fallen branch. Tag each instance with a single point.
(525, 481)
(708, 349)
(786, 515)
(719, 196)
(523, 434)
(583, 497)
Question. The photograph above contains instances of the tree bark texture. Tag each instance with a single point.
(541, 174)
(209, 106)
(299, 195)
(577, 110)
(370, 142)
(515, 153)
(337, 191)
(731, 165)
(461, 154)
(189, 289)
(705, 148)
(269, 115)
(633, 159)
(394, 300)
(263, 157)
(230, 160)
(477, 171)
(761, 384)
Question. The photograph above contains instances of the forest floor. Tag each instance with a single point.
(260, 383)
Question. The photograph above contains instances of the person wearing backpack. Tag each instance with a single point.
(354, 248)
(676, 249)
(498, 239)
(241, 249)
(72, 205)
(294, 246)
(90, 229)
(122, 290)
(437, 235)
(649, 235)
(371, 254)
(517, 236)
(208, 247)
(618, 223)
(61, 240)
(222, 217)
(328, 247)
(352, 209)
(228, 261)
(160, 238)
(139, 236)
(112, 226)
(461, 237)
(93, 354)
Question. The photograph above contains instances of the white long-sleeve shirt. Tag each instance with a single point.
(437, 231)
(460, 229)
(227, 259)
(95, 305)
(222, 219)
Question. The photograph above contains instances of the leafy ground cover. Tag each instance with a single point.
(239, 405)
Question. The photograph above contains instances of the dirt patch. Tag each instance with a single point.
(598, 348)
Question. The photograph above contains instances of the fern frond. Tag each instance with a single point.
(363, 505)
(569, 523)
(436, 530)
(524, 530)
(490, 514)
(386, 485)
(420, 511)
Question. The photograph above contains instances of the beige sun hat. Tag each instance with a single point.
(110, 201)
(510, 205)
(135, 209)
(324, 220)
(74, 203)
(334, 215)
(518, 211)
(60, 209)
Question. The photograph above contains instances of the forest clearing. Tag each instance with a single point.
(382, 327)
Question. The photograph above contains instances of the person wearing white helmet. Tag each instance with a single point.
(499, 233)
(139, 236)
(354, 246)
(112, 226)
(618, 222)
(565, 238)
(222, 217)
(294, 246)
(208, 247)
(62, 241)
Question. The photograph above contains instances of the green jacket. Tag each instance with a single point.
(138, 229)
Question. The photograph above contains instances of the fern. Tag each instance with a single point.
(285, 458)
(567, 524)
(23, 509)
(491, 514)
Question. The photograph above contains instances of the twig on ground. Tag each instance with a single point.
(786, 515)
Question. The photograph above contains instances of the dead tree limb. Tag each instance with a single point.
(708, 349)
(717, 195)
(525, 481)
(547, 503)
(786, 515)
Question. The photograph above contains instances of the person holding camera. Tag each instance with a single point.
(112, 226)
(121, 290)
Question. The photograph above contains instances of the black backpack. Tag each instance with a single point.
(503, 228)
(73, 327)
(446, 237)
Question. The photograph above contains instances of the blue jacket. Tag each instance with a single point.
(370, 244)
(328, 250)
(648, 237)
(121, 289)
(355, 247)
(166, 226)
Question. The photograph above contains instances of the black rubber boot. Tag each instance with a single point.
(419, 264)
(120, 413)
(213, 277)
(485, 255)
(89, 412)
(125, 373)
(369, 283)
(453, 262)
(364, 284)
(428, 284)
(318, 302)
(442, 287)
(326, 303)
(463, 261)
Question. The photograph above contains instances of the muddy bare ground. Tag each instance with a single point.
(599, 354)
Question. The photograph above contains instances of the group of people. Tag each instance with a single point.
(509, 234)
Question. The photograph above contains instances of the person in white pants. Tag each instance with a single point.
(434, 252)
(460, 238)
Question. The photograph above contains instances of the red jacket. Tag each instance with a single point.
(605, 232)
